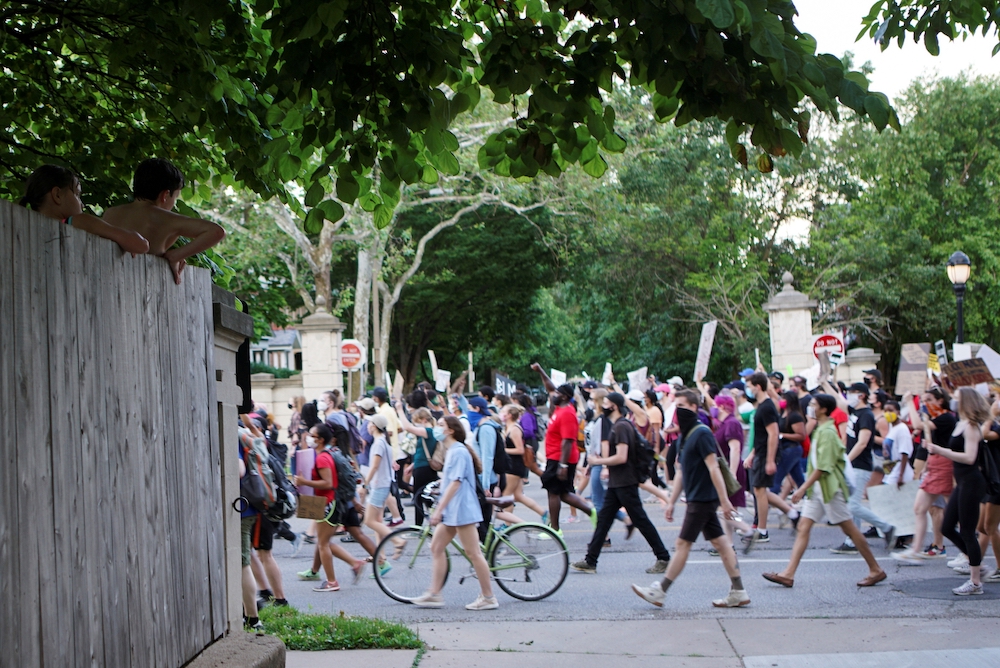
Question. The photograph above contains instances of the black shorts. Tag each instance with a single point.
(758, 474)
(919, 453)
(551, 482)
(701, 518)
(517, 467)
(347, 515)
(262, 534)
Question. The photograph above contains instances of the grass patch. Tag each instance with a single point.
(314, 632)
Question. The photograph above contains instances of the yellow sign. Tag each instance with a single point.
(934, 365)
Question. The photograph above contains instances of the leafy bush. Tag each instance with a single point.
(256, 367)
(317, 632)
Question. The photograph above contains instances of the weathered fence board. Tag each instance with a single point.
(111, 542)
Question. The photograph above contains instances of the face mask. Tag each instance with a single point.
(321, 406)
(868, 382)
(289, 407)
(853, 400)
(811, 412)
(715, 412)
(659, 395)
(310, 441)
(438, 433)
(749, 393)
(890, 416)
(686, 419)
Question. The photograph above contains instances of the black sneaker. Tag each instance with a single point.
(348, 539)
(583, 567)
(871, 533)
(629, 530)
(890, 538)
(844, 548)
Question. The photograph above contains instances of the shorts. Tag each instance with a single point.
(378, 496)
(701, 518)
(835, 512)
(347, 517)
(878, 461)
(551, 482)
(919, 453)
(937, 478)
(517, 467)
(246, 528)
(758, 475)
(993, 499)
(263, 534)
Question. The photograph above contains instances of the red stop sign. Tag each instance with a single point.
(828, 343)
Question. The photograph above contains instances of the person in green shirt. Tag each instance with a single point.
(826, 487)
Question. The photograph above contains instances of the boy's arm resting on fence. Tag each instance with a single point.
(203, 235)
(129, 241)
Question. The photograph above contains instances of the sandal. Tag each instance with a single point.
(397, 554)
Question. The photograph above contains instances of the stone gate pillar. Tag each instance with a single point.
(321, 335)
(790, 322)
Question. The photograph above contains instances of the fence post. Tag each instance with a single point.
(231, 329)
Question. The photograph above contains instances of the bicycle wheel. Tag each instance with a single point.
(410, 575)
(529, 561)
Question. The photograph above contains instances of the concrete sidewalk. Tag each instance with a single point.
(722, 643)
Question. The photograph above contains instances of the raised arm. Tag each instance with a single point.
(546, 381)
(129, 241)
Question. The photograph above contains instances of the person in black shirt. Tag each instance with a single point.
(705, 492)
(622, 490)
(762, 459)
(860, 441)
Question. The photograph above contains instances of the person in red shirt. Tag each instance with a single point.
(561, 453)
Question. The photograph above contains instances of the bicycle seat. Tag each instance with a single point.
(500, 501)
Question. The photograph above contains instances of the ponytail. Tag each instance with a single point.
(42, 181)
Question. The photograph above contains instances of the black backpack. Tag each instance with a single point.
(286, 499)
(641, 456)
(501, 460)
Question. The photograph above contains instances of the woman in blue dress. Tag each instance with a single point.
(457, 513)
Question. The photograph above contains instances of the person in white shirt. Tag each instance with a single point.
(897, 447)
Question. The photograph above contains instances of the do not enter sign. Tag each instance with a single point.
(828, 343)
(352, 355)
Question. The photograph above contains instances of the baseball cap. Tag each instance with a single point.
(635, 395)
(662, 387)
(566, 390)
(479, 403)
(677, 381)
(746, 372)
(735, 385)
(859, 387)
(379, 421)
(589, 385)
(618, 400)
(380, 393)
(777, 374)
(365, 404)
(875, 373)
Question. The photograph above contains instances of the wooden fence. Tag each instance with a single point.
(111, 506)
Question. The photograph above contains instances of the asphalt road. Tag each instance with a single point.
(824, 585)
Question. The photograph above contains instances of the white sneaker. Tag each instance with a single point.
(737, 598)
(960, 560)
(992, 577)
(961, 569)
(428, 601)
(483, 603)
(908, 558)
(652, 594)
(968, 589)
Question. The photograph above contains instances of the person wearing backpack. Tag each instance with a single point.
(489, 445)
(515, 447)
(324, 481)
(622, 491)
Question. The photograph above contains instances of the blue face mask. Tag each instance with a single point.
(750, 393)
(438, 433)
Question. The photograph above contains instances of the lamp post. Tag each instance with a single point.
(959, 268)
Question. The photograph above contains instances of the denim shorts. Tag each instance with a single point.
(378, 496)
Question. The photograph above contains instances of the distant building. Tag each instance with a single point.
(282, 350)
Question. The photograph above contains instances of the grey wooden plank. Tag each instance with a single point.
(71, 613)
(32, 435)
(10, 615)
(214, 536)
(108, 613)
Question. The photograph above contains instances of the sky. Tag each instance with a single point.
(835, 24)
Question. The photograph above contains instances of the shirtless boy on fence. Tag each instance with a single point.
(156, 186)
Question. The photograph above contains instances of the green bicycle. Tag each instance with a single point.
(529, 561)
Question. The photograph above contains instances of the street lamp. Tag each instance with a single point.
(959, 268)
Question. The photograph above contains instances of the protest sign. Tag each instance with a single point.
(388, 381)
(991, 358)
(442, 380)
(397, 385)
(967, 373)
(934, 364)
(504, 385)
(942, 352)
(434, 363)
(912, 368)
(638, 378)
(895, 506)
(558, 377)
(961, 352)
(705, 349)
(606, 378)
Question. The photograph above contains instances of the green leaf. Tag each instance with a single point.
(664, 107)
(446, 163)
(548, 99)
(430, 175)
(852, 95)
(382, 216)
(314, 222)
(347, 189)
(765, 164)
(814, 74)
(614, 142)
(315, 194)
(878, 111)
(931, 43)
(719, 12)
(596, 167)
(331, 210)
